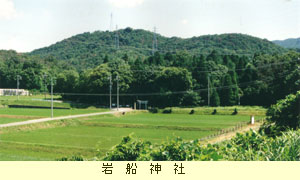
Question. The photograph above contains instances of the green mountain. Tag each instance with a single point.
(90, 49)
(293, 43)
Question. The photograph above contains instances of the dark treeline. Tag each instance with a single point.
(179, 79)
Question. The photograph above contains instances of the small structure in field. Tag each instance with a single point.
(141, 103)
(14, 92)
(252, 120)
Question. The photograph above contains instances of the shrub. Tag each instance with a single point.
(128, 150)
(214, 112)
(235, 112)
(192, 111)
(73, 158)
(153, 110)
(286, 113)
(167, 111)
(251, 146)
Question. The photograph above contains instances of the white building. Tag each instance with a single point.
(14, 92)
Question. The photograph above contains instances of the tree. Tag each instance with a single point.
(169, 80)
(228, 97)
(106, 59)
(215, 99)
(67, 81)
(191, 99)
(286, 113)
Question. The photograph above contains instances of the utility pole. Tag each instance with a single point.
(18, 84)
(118, 92)
(45, 84)
(52, 84)
(110, 87)
(208, 93)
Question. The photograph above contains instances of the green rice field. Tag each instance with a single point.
(91, 136)
(8, 115)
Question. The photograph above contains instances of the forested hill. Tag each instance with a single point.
(90, 49)
(289, 43)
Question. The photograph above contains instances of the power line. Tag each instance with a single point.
(229, 70)
(267, 79)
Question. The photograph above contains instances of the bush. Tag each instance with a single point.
(251, 146)
(73, 158)
(286, 113)
(167, 111)
(235, 112)
(192, 111)
(153, 110)
(214, 112)
(128, 150)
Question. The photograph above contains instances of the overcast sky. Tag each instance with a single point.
(30, 24)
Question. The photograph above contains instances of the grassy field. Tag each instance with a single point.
(91, 135)
(36, 100)
(8, 115)
(242, 110)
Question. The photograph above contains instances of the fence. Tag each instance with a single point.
(229, 130)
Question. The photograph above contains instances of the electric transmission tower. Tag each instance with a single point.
(117, 42)
(154, 43)
(111, 23)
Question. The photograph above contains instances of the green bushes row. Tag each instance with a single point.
(251, 146)
(169, 111)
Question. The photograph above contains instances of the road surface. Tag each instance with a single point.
(61, 118)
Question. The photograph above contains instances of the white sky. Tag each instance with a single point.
(30, 24)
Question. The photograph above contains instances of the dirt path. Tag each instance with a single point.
(63, 117)
(228, 136)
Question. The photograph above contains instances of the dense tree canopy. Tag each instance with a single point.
(181, 78)
(92, 49)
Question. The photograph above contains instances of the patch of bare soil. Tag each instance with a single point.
(18, 116)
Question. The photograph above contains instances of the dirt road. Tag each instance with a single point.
(228, 136)
(61, 118)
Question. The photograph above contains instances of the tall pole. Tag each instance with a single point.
(111, 22)
(110, 87)
(208, 93)
(18, 84)
(45, 84)
(118, 92)
(51, 97)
